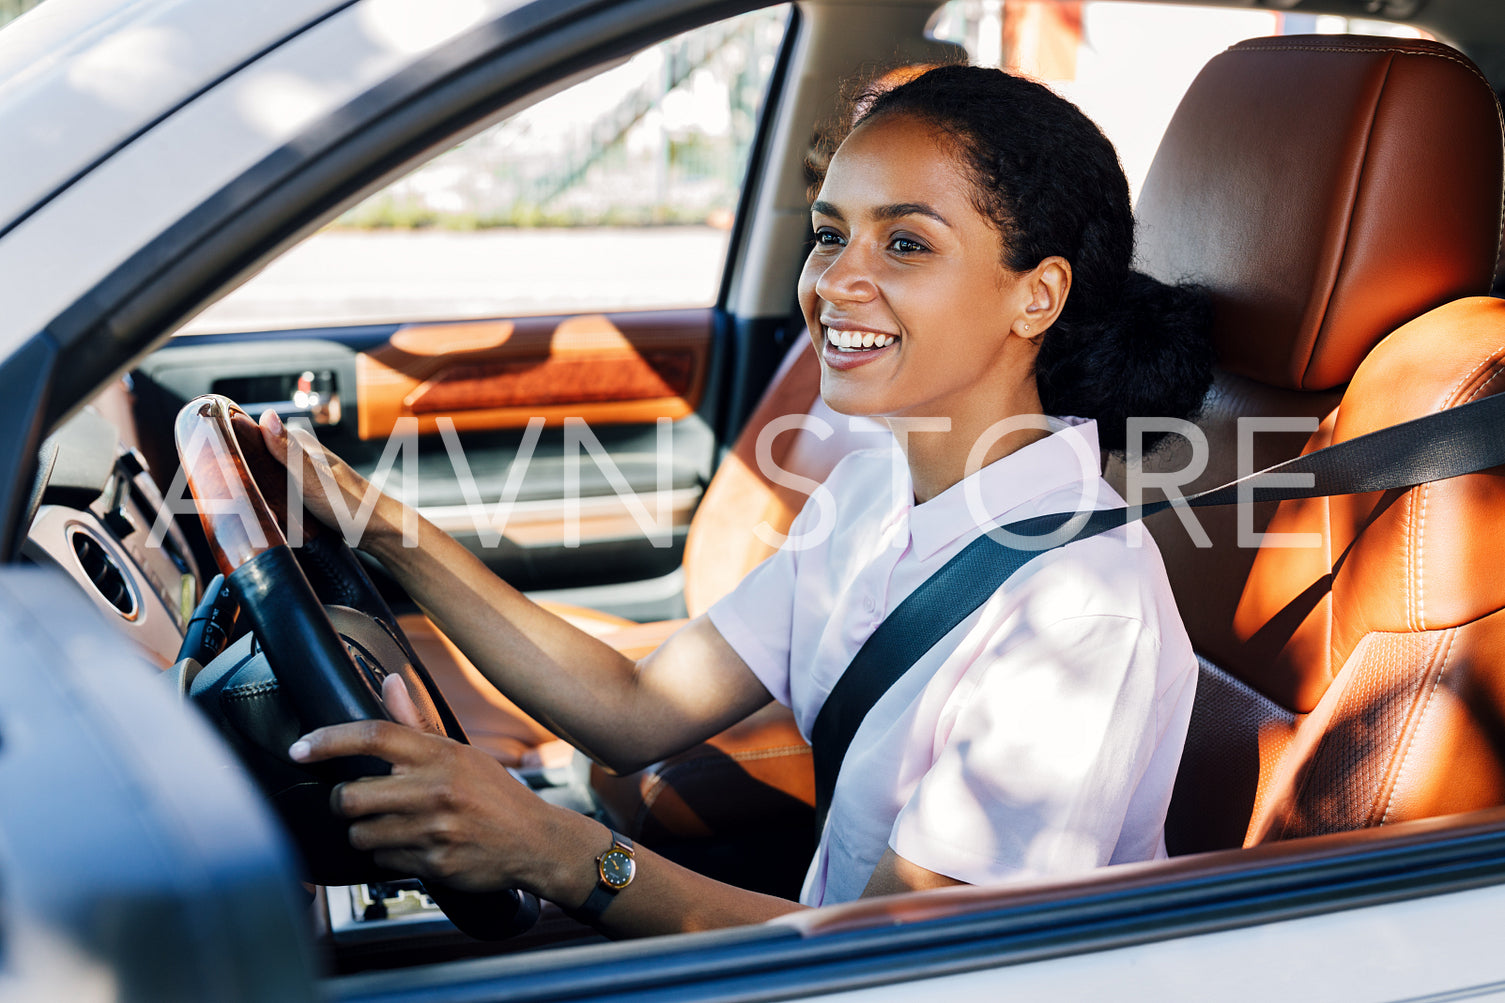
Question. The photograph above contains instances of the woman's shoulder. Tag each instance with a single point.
(1117, 574)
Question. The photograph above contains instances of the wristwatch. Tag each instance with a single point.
(615, 870)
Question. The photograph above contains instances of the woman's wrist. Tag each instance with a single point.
(388, 532)
(567, 875)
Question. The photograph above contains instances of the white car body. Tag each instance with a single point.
(134, 131)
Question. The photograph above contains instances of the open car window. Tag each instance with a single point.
(618, 193)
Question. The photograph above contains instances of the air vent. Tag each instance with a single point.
(103, 573)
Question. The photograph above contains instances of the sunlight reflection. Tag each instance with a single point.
(403, 26)
(283, 103)
(125, 68)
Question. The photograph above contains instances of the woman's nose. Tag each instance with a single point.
(848, 278)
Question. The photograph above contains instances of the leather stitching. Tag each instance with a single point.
(1374, 50)
(1416, 727)
(784, 750)
(1410, 561)
(249, 692)
(1338, 273)
(1419, 575)
(1480, 388)
(1417, 570)
(1457, 388)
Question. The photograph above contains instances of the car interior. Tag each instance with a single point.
(1340, 196)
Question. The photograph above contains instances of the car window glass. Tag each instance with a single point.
(617, 193)
(1125, 64)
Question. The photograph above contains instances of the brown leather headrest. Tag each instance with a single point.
(1327, 190)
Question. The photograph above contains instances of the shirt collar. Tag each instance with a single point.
(1044, 466)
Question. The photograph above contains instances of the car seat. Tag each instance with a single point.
(1339, 197)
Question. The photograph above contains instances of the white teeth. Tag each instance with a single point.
(858, 340)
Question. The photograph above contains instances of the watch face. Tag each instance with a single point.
(617, 868)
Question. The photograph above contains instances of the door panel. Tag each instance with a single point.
(603, 369)
(592, 506)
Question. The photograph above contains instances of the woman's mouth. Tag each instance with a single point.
(856, 341)
(845, 348)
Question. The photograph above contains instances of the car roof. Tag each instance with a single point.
(81, 78)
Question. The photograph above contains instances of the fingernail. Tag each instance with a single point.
(274, 423)
(300, 750)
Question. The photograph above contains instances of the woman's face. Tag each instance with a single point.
(905, 294)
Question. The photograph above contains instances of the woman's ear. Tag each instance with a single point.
(1046, 287)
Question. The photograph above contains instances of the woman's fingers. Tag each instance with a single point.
(399, 702)
(274, 435)
(396, 743)
(381, 796)
(316, 473)
(459, 818)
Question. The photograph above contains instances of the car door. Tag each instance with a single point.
(526, 337)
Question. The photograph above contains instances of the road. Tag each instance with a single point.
(351, 277)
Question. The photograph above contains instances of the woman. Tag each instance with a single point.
(970, 269)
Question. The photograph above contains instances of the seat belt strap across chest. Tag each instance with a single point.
(1434, 447)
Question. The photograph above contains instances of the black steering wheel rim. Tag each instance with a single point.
(227, 467)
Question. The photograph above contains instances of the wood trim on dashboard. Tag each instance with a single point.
(493, 374)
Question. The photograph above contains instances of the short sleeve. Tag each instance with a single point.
(1044, 753)
(757, 617)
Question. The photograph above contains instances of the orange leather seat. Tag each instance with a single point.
(1339, 197)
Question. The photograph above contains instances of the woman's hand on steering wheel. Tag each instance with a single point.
(447, 811)
(316, 473)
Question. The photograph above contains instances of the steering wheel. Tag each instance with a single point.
(306, 665)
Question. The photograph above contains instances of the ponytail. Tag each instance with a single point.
(1147, 356)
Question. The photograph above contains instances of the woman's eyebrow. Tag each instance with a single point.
(896, 210)
(899, 210)
(826, 209)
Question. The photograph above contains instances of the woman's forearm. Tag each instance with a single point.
(559, 675)
(621, 713)
(663, 897)
(624, 714)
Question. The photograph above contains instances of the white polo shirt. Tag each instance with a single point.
(1041, 736)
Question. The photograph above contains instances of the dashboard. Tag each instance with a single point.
(96, 512)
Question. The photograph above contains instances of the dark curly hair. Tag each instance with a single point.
(1124, 344)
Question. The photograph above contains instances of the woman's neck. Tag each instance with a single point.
(938, 459)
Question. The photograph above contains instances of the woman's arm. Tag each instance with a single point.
(452, 813)
(622, 714)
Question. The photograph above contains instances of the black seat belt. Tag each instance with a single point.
(1460, 440)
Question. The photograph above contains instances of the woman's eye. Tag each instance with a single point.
(905, 245)
(828, 238)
